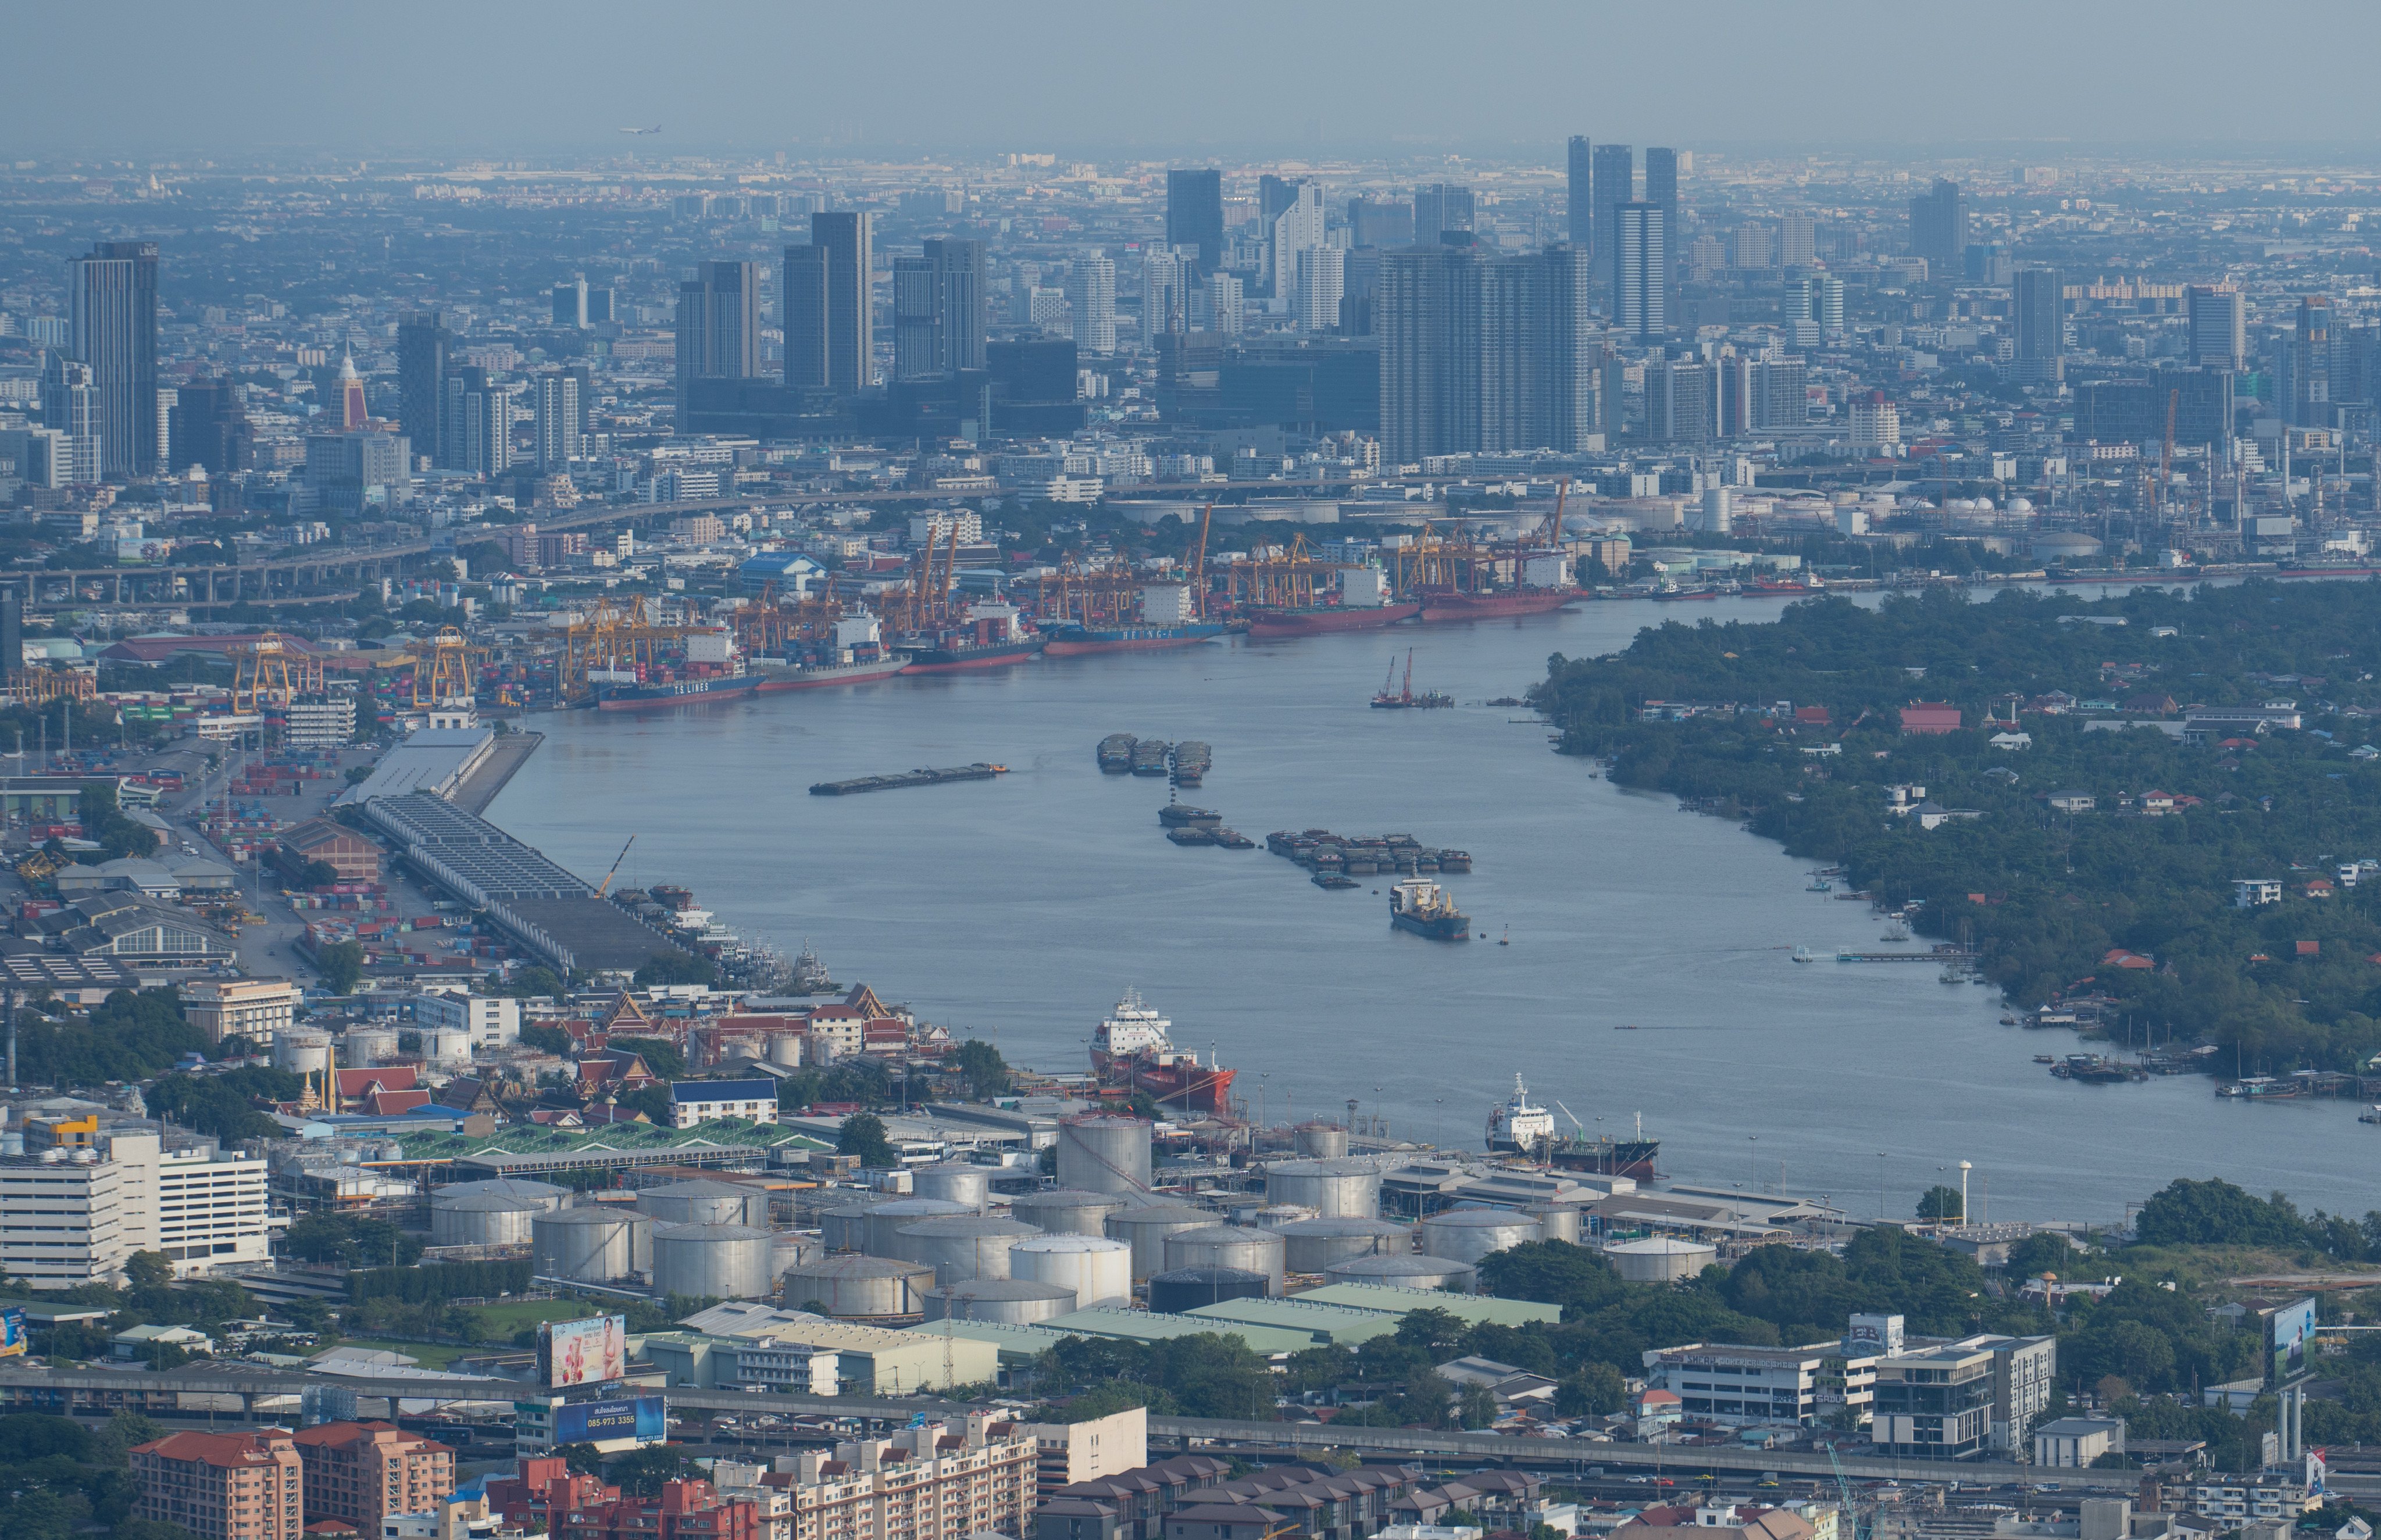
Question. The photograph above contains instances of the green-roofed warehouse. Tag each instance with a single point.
(1145, 1326)
(1331, 1324)
(1016, 1344)
(1471, 1309)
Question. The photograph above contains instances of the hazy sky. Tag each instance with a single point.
(166, 78)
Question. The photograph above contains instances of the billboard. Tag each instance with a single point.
(12, 1332)
(582, 1352)
(638, 1417)
(2290, 1336)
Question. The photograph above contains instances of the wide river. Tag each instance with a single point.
(1649, 972)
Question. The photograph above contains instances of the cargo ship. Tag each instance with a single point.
(990, 636)
(1191, 760)
(1116, 752)
(1071, 640)
(1273, 623)
(1131, 1050)
(663, 694)
(1420, 905)
(1438, 604)
(1520, 1128)
(855, 653)
(1149, 756)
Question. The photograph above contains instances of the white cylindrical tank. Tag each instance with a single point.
(786, 1050)
(1556, 1221)
(1333, 1189)
(1322, 1141)
(597, 1244)
(954, 1181)
(789, 1249)
(1008, 1301)
(1146, 1229)
(715, 1262)
(844, 1227)
(1104, 1153)
(962, 1247)
(854, 1287)
(885, 1221)
(360, 1046)
(544, 1194)
(1065, 1211)
(482, 1219)
(1278, 1216)
(1468, 1234)
(1235, 1246)
(1099, 1271)
(301, 1050)
(706, 1203)
(446, 1045)
(1313, 1245)
(1427, 1273)
(1659, 1259)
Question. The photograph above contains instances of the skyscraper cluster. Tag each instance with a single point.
(1483, 353)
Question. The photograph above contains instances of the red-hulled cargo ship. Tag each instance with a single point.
(1272, 623)
(992, 635)
(1132, 1051)
(1456, 604)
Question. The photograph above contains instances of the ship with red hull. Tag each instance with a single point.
(1276, 623)
(990, 636)
(1132, 1051)
(1459, 605)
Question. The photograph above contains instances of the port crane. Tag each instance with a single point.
(448, 681)
(261, 676)
(606, 889)
(612, 633)
(1199, 566)
(1282, 581)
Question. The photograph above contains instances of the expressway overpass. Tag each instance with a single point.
(97, 1392)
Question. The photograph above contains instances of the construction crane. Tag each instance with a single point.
(606, 887)
(1848, 1525)
(1553, 519)
(1199, 566)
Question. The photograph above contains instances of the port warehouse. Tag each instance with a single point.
(549, 910)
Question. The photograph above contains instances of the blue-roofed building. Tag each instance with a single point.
(790, 571)
(693, 1102)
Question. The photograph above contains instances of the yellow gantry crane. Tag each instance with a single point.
(611, 633)
(269, 672)
(449, 676)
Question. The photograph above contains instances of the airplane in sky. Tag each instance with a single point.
(655, 130)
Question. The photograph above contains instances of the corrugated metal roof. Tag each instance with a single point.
(1145, 1326)
(1328, 1322)
(1471, 1309)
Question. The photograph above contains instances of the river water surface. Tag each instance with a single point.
(1649, 972)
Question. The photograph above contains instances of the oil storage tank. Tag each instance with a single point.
(1468, 1234)
(1065, 1211)
(844, 1226)
(854, 1287)
(1185, 1289)
(1146, 1228)
(1313, 1245)
(1333, 1189)
(1322, 1141)
(1098, 1270)
(954, 1181)
(1428, 1273)
(1659, 1259)
(962, 1246)
(597, 1244)
(1235, 1246)
(1556, 1221)
(482, 1219)
(544, 1194)
(885, 1221)
(705, 1203)
(301, 1050)
(362, 1045)
(1005, 1301)
(721, 1262)
(1104, 1153)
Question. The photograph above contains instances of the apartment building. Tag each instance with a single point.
(362, 1473)
(74, 1212)
(253, 1008)
(961, 1477)
(1959, 1399)
(222, 1485)
(1739, 1387)
(685, 1511)
(488, 1023)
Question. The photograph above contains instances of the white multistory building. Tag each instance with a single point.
(1091, 300)
(1322, 278)
(484, 1023)
(76, 1211)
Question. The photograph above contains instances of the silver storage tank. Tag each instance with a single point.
(844, 1227)
(1099, 1271)
(1468, 1234)
(1430, 1273)
(1556, 1221)
(1333, 1189)
(1322, 1141)
(544, 1194)
(301, 1050)
(954, 1181)
(718, 1262)
(705, 1203)
(1314, 1244)
(1065, 1211)
(790, 1249)
(963, 1246)
(885, 1221)
(1146, 1229)
(854, 1287)
(597, 1244)
(1104, 1153)
(1185, 1289)
(1008, 1301)
(480, 1219)
(360, 1046)
(1659, 1259)
(1237, 1246)
(1274, 1216)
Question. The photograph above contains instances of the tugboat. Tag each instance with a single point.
(1405, 699)
(1132, 1049)
(1419, 905)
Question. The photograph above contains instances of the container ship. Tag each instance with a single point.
(1131, 1050)
(665, 693)
(1420, 905)
(855, 654)
(990, 636)
(1071, 640)
(1275, 623)
(1518, 1127)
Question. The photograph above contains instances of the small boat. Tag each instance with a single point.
(1805, 954)
(2044, 1059)
(1334, 881)
(1505, 940)
(2371, 1113)
(1624, 1026)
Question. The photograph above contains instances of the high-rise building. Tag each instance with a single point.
(1682, 401)
(223, 1486)
(718, 324)
(1797, 242)
(1662, 187)
(1225, 300)
(1298, 226)
(2305, 391)
(478, 426)
(1938, 227)
(348, 472)
(1579, 204)
(554, 418)
(1090, 300)
(364, 1473)
(1360, 283)
(1371, 222)
(347, 408)
(167, 396)
(599, 305)
(830, 336)
(1481, 352)
(111, 308)
(1322, 279)
(211, 428)
(72, 405)
(1615, 182)
(1440, 207)
(422, 343)
(1640, 269)
(570, 301)
(939, 310)
(1817, 297)
(2037, 319)
(1760, 396)
(1165, 295)
(2218, 327)
(1194, 215)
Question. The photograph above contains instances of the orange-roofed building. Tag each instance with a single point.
(223, 1486)
(1924, 718)
(364, 1471)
